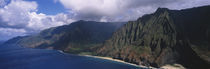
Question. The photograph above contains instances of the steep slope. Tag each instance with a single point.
(164, 37)
(77, 37)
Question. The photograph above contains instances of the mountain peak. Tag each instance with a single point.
(164, 37)
(161, 10)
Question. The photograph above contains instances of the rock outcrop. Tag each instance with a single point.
(164, 37)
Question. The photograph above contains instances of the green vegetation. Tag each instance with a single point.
(76, 38)
(164, 37)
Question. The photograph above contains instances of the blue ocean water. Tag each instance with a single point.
(16, 57)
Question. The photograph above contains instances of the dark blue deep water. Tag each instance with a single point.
(16, 57)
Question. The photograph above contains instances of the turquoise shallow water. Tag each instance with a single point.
(16, 57)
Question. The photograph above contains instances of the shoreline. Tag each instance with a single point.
(174, 66)
(117, 60)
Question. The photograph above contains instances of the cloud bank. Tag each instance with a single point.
(123, 10)
(20, 18)
(3, 2)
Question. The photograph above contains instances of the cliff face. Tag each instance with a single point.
(164, 37)
(78, 37)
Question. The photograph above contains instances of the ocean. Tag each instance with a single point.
(16, 57)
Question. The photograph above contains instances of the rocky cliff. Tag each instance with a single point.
(164, 37)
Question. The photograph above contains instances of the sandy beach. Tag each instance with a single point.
(117, 60)
(174, 66)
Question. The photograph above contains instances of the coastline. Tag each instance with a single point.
(117, 60)
(174, 66)
(109, 58)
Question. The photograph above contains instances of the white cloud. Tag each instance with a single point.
(41, 21)
(21, 15)
(187, 4)
(16, 14)
(3, 2)
(123, 10)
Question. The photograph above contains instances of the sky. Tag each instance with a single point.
(27, 17)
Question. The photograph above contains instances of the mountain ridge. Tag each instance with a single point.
(70, 38)
(164, 37)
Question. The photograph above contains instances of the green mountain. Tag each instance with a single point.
(164, 37)
(78, 37)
